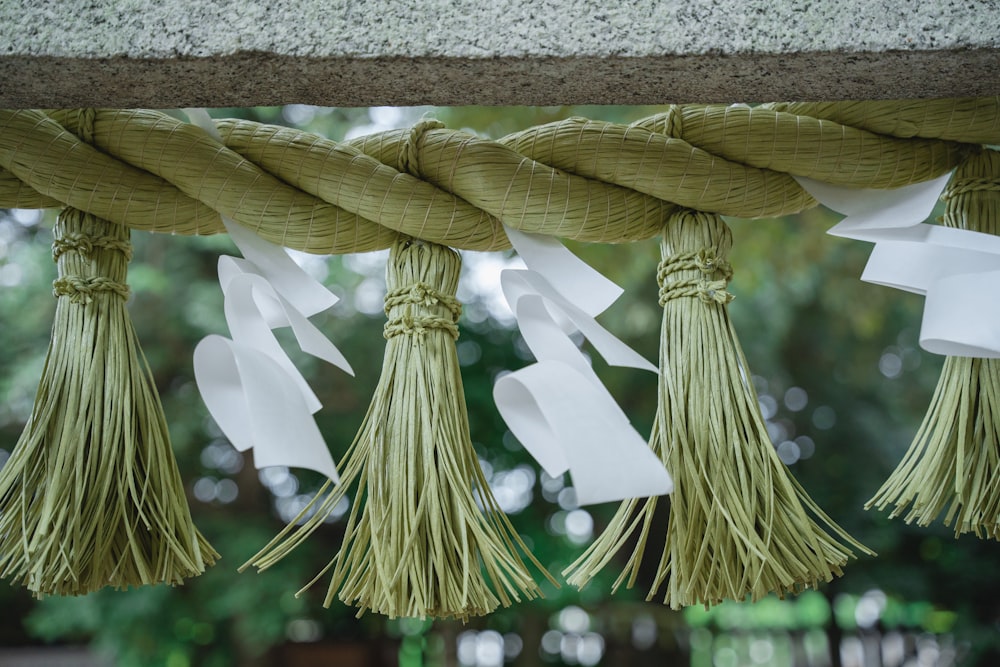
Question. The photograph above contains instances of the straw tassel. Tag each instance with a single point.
(91, 495)
(739, 525)
(953, 464)
(416, 543)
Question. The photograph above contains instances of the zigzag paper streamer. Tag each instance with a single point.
(949, 266)
(557, 407)
(250, 386)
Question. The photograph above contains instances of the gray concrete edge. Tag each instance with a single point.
(260, 79)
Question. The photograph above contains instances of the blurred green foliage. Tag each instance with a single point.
(836, 363)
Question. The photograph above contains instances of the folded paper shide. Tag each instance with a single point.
(91, 495)
(557, 407)
(250, 386)
(947, 265)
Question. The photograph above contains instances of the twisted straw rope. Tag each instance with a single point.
(578, 178)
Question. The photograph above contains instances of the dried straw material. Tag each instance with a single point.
(972, 120)
(662, 166)
(523, 193)
(91, 496)
(953, 463)
(811, 147)
(188, 158)
(343, 175)
(59, 165)
(416, 543)
(740, 525)
(15, 193)
(578, 179)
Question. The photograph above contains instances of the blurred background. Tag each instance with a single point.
(842, 384)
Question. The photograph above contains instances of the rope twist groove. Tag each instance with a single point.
(581, 179)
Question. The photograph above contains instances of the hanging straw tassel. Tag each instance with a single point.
(953, 462)
(416, 543)
(739, 525)
(91, 496)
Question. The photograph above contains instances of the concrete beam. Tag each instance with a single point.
(149, 53)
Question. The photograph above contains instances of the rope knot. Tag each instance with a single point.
(82, 290)
(409, 157)
(410, 325)
(85, 245)
(422, 296)
(710, 263)
(715, 271)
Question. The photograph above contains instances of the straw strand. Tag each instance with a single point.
(91, 495)
(740, 525)
(417, 542)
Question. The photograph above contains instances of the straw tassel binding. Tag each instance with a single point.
(740, 526)
(416, 543)
(91, 495)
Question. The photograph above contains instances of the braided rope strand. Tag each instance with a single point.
(414, 321)
(708, 288)
(580, 179)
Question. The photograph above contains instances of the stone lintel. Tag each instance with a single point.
(262, 79)
(166, 54)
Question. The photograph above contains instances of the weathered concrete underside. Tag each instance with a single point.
(126, 53)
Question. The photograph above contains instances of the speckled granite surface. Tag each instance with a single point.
(354, 52)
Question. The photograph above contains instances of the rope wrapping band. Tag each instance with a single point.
(92, 257)
(81, 290)
(409, 156)
(85, 245)
(579, 179)
(421, 298)
(707, 288)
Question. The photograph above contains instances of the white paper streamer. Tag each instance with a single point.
(557, 407)
(259, 406)
(248, 326)
(537, 324)
(250, 386)
(571, 278)
(872, 214)
(306, 294)
(569, 423)
(957, 270)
